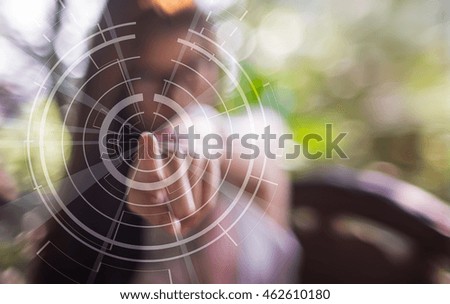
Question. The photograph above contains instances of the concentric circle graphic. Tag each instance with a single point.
(106, 127)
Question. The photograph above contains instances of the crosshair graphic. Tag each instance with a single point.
(106, 125)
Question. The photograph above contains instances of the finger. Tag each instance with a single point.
(211, 183)
(180, 192)
(196, 171)
(147, 169)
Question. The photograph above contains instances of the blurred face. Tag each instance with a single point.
(156, 67)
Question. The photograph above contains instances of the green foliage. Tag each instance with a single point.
(11, 256)
(13, 150)
(377, 70)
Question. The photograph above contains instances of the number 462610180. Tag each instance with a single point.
(302, 294)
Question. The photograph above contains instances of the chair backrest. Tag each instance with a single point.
(367, 227)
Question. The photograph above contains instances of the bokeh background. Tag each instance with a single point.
(377, 70)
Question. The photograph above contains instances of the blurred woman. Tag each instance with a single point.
(220, 221)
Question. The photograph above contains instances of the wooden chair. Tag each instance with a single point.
(367, 227)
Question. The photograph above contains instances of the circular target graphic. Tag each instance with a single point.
(91, 202)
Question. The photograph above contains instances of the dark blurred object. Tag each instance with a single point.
(404, 149)
(367, 227)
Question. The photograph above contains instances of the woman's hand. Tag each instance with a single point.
(170, 191)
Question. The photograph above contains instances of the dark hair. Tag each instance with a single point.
(72, 253)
